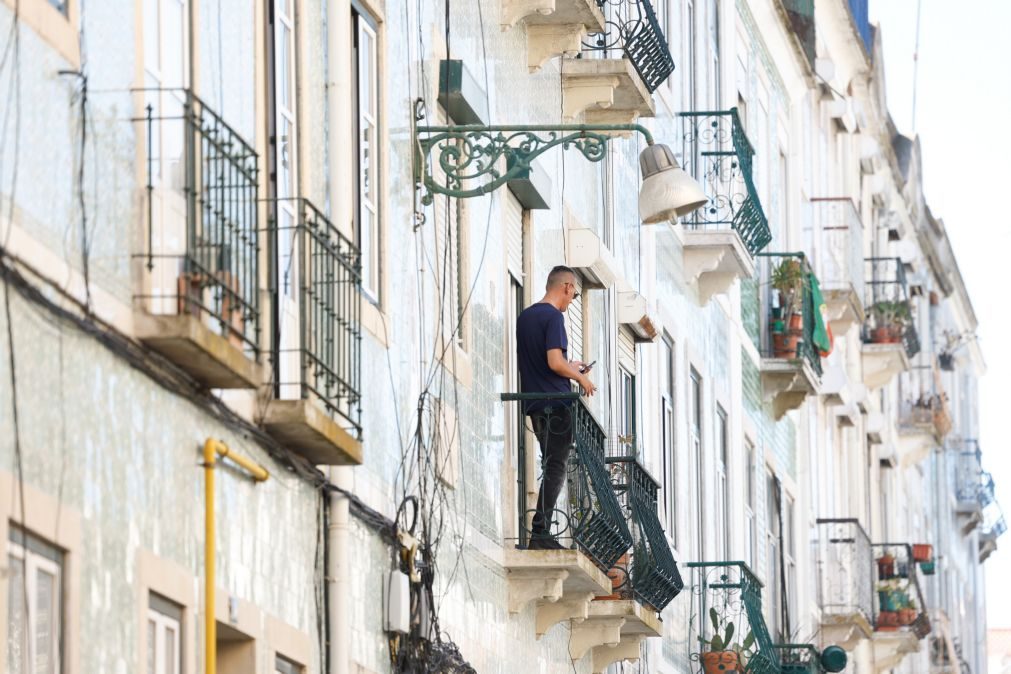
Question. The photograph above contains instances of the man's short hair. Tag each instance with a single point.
(559, 275)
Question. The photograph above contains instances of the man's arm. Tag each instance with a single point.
(562, 367)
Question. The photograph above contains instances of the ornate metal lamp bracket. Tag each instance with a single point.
(474, 160)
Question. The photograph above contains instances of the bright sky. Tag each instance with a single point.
(963, 104)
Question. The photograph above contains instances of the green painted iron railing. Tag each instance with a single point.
(592, 518)
(726, 603)
(650, 573)
(631, 27)
(798, 659)
(320, 270)
(716, 150)
(786, 299)
(201, 172)
(890, 316)
(801, 16)
(900, 604)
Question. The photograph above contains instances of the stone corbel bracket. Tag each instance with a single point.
(594, 632)
(881, 362)
(605, 656)
(713, 261)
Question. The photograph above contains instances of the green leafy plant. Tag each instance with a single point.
(719, 642)
(788, 280)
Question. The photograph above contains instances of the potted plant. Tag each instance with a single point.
(946, 361)
(887, 621)
(886, 330)
(907, 610)
(788, 281)
(721, 655)
(923, 552)
(886, 566)
(928, 568)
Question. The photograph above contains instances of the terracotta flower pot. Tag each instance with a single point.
(619, 579)
(784, 345)
(907, 616)
(886, 567)
(796, 322)
(887, 621)
(923, 552)
(715, 662)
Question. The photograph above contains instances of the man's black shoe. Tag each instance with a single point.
(545, 543)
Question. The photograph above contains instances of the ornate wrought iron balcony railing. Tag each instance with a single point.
(632, 28)
(589, 515)
(839, 246)
(968, 477)
(650, 573)
(845, 580)
(726, 624)
(889, 312)
(798, 659)
(717, 152)
(789, 318)
(924, 406)
(900, 604)
(801, 16)
(202, 253)
(317, 283)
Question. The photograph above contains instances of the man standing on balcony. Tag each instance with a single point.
(542, 353)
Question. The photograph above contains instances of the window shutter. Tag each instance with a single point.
(512, 215)
(626, 350)
(574, 323)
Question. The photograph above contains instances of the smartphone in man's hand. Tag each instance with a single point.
(586, 368)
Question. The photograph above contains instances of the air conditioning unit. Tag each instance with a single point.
(633, 312)
(839, 110)
(870, 153)
(587, 254)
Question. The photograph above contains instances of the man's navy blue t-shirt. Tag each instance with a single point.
(539, 328)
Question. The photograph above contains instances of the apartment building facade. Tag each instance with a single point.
(263, 262)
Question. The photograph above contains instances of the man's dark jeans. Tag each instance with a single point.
(553, 427)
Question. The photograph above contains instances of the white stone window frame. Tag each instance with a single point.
(365, 24)
(33, 564)
(167, 638)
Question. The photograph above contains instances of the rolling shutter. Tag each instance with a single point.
(626, 350)
(512, 224)
(574, 323)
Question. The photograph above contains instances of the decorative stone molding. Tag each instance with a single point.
(881, 362)
(713, 261)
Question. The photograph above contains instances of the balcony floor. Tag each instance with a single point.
(308, 430)
(195, 348)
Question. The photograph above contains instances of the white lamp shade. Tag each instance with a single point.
(667, 191)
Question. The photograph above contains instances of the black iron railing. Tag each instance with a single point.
(845, 579)
(900, 604)
(320, 269)
(649, 573)
(202, 253)
(890, 316)
(790, 318)
(717, 152)
(588, 513)
(631, 27)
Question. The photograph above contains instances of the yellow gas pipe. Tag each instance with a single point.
(212, 450)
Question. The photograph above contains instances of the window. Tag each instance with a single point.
(283, 665)
(714, 55)
(667, 447)
(164, 636)
(35, 592)
(772, 532)
(366, 119)
(285, 159)
(696, 447)
(689, 33)
(722, 489)
(790, 559)
(626, 415)
(750, 525)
